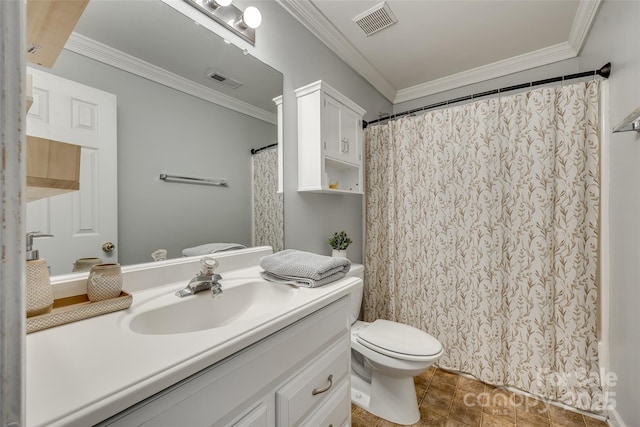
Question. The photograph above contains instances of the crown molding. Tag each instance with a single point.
(497, 69)
(319, 26)
(322, 85)
(585, 16)
(309, 16)
(90, 48)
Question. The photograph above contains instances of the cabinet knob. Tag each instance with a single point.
(322, 390)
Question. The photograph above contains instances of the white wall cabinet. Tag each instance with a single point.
(281, 381)
(329, 141)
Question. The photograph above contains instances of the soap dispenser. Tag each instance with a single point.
(39, 294)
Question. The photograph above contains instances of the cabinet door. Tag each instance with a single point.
(341, 132)
(331, 113)
(350, 136)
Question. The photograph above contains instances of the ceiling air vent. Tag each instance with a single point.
(375, 19)
(218, 77)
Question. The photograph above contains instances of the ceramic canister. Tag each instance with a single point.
(105, 282)
(38, 286)
(85, 264)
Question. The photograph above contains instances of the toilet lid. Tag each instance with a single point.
(397, 339)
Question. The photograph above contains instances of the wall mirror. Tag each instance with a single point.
(168, 124)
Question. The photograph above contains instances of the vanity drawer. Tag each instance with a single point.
(335, 411)
(316, 383)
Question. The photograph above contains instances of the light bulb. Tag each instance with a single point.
(251, 17)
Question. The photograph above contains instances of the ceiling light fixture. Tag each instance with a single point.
(242, 23)
(214, 4)
(251, 18)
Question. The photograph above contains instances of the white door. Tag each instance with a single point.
(80, 221)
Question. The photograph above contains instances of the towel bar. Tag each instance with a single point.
(193, 180)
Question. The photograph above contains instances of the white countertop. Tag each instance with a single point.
(84, 372)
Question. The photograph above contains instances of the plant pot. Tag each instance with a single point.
(105, 282)
(342, 253)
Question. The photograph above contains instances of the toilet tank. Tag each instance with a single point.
(356, 270)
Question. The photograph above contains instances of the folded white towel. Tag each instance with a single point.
(211, 248)
(304, 268)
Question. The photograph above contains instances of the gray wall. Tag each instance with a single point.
(161, 130)
(614, 37)
(284, 44)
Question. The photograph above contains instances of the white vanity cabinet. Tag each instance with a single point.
(296, 376)
(329, 141)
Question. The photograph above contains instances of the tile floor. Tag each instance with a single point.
(442, 396)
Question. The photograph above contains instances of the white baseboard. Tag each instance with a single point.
(615, 420)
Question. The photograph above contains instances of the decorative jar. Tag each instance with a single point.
(39, 293)
(105, 282)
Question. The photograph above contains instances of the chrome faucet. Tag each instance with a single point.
(33, 254)
(206, 279)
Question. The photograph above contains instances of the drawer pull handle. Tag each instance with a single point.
(322, 390)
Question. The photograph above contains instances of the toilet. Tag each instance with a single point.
(385, 356)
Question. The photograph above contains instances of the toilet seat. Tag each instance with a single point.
(399, 341)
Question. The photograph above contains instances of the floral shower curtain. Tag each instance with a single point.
(268, 204)
(482, 229)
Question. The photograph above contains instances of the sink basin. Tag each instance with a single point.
(240, 303)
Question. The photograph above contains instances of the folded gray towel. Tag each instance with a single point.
(301, 281)
(211, 248)
(304, 268)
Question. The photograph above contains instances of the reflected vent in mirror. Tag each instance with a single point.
(219, 77)
(375, 19)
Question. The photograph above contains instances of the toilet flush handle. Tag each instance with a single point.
(322, 390)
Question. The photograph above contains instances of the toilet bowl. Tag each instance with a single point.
(385, 356)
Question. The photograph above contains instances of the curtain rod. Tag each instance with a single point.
(604, 71)
(257, 150)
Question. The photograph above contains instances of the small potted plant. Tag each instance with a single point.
(339, 242)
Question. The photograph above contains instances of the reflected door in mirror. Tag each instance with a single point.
(81, 221)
